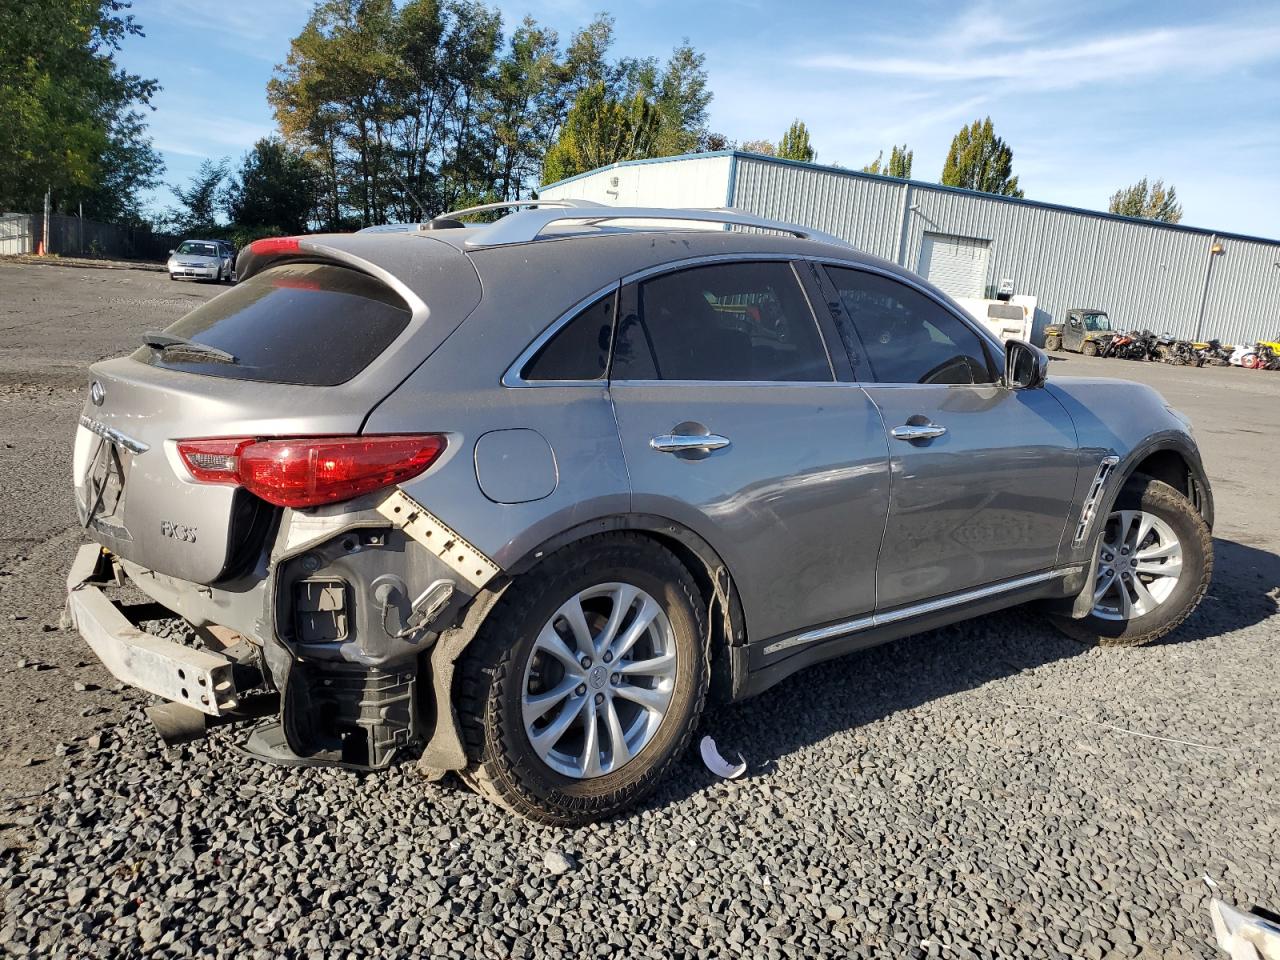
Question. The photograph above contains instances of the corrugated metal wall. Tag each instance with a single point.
(1244, 291)
(1144, 275)
(865, 212)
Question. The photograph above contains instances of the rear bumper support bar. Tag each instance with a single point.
(194, 678)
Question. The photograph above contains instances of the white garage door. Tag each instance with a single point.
(956, 264)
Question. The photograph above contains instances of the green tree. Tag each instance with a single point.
(274, 193)
(682, 98)
(979, 160)
(794, 144)
(200, 200)
(525, 107)
(1152, 201)
(601, 130)
(71, 118)
(899, 164)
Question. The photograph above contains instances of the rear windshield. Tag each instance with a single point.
(305, 323)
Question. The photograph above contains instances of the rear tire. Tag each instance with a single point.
(1172, 517)
(514, 668)
(1053, 343)
(1089, 349)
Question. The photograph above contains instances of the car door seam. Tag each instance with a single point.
(622, 447)
(888, 506)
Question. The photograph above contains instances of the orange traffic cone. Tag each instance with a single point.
(39, 248)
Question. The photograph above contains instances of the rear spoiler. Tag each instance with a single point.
(270, 250)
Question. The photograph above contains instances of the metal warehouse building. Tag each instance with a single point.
(1191, 282)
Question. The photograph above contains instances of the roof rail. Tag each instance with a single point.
(524, 226)
(467, 211)
(513, 205)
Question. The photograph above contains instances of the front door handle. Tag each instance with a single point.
(682, 443)
(917, 431)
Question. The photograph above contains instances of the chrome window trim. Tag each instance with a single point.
(513, 375)
(990, 339)
(848, 627)
(707, 259)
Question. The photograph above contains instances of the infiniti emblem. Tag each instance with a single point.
(96, 393)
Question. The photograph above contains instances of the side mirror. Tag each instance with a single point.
(1025, 367)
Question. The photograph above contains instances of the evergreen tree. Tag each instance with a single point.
(794, 144)
(979, 160)
(1152, 201)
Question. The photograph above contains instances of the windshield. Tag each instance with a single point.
(198, 248)
(1097, 321)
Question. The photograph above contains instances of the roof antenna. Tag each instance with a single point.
(422, 209)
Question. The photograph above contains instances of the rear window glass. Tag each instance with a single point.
(304, 323)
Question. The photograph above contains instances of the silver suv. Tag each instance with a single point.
(523, 494)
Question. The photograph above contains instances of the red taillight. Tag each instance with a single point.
(270, 245)
(307, 472)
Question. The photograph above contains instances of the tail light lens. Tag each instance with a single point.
(273, 245)
(308, 472)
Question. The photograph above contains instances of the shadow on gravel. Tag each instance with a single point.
(851, 691)
(1245, 591)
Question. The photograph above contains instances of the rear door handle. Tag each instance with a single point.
(920, 431)
(679, 443)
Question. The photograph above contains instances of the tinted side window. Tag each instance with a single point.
(579, 350)
(906, 336)
(306, 323)
(730, 321)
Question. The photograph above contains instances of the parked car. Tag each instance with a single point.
(202, 260)
(1084, 331)
(527, 493)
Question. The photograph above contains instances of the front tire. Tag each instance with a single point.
(1155, 561)
(585, 682)
(1089, 349)
(1053, 343)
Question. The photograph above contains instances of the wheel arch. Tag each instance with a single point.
(705, 565)
(1169, 457)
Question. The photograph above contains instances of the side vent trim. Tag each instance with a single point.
(1091, 500)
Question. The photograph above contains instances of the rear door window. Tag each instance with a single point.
(304, 323)
(724, 322)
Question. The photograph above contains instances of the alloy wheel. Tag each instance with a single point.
(1139, 564)
(599, 681)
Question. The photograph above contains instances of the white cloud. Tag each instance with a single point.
(979, 50)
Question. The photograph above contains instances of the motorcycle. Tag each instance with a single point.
(1180, 353)
(1214, 353)
(1263, 355)
(1134, 345)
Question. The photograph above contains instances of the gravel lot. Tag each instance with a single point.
(990, 789)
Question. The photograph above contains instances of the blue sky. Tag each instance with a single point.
(1091, 96)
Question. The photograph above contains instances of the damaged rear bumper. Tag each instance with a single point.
(350, 625)
(199, 679)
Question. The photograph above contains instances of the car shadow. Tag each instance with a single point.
(860, 688)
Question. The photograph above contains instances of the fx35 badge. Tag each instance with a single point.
(178, 531)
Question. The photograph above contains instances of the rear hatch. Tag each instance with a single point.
(307, 345)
